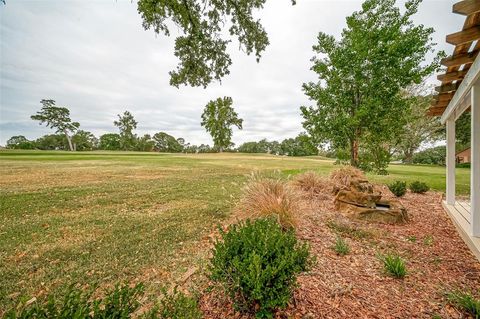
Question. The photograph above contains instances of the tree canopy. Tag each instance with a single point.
(418, 129)
(20, 142)
(218, 118)
(57, 118)
(110, 141)
(359, 94)
(202, 46)
(126, 124)
(167, 143)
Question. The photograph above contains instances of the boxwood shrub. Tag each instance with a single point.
(257, 262)
(419, 187)
(398, 188)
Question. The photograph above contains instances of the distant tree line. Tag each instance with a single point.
(159, 142)
(218, 119)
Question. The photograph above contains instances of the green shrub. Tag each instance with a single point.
(466, 302)
(175, 306)
(120, 303)
(463, 165)
(398, 188)
(341, 246)
(419, 187)
(257, 263)
(394, 266)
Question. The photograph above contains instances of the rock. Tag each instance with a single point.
(367, 205)
(356, 198)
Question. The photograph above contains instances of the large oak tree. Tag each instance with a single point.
(218, 118)
(362, 77)
(202, 44)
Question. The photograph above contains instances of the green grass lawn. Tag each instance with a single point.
(103, 217)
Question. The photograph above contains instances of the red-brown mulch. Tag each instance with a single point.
(355, 286)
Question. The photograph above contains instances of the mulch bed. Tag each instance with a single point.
(355, 285)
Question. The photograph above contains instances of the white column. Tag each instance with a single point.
(451, 161)
(475, 161)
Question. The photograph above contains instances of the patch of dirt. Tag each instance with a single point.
(355, 285)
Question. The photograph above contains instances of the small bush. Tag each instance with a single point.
(341, 246)
(398, 188)
(344, 175)
(271, 197)
(428, 240)
(119, 303)
(312, 184)
(419, 187)
(257, 263)
(394, 266)
(463, 165)
(466, 302)
(176, 305)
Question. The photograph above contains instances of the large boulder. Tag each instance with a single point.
(370, 207)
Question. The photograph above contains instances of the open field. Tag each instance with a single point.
(105, 217)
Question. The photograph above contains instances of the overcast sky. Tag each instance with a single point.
(94, 57)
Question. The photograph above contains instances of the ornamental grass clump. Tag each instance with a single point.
(394, 266)
(341, 247)
(271, 197)
(312, 185)
(344, 175)
(465, 301)
(257, 263)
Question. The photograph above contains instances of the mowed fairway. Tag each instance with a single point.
(98, 218)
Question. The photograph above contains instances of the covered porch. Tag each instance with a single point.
(459, 93)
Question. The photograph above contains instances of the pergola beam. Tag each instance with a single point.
(443, 104)
(459, 59)
(452, 76)
(447, 87)
(463, 90)
(443, 97)
(464, 36)
(466, 7)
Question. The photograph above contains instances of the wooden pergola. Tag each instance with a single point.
(459, 92)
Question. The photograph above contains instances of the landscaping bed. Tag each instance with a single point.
(356, 285)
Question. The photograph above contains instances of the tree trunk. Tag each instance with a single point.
(354, 152)
(408, 157)
(69, 139)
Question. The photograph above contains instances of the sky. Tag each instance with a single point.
(94, 57)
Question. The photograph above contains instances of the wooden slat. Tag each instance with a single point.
(435, 111)
(452, 76)
(471, 21)
(466, 7)
(447, 87)
(464, 36)
(440, 103)
(465, 213)
(459, 59)
(443, 97)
